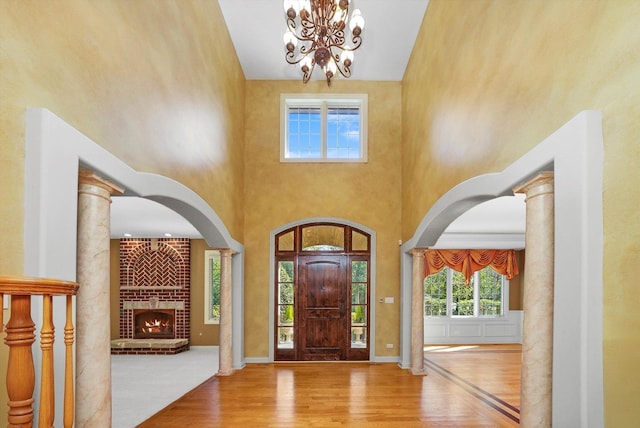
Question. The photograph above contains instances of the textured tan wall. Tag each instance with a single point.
(487, 81)
(156, 83)
(277, 194)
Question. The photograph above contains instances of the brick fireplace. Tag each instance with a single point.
(154, 296)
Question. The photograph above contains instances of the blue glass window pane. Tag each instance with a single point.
(304, 133)
(343, 133)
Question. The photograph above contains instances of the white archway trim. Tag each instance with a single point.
(372, 305)
(575, 153)
(54, 151)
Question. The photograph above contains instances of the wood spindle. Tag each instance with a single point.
(2, 313)
(47, 337)
(69, 409)
(20, 371)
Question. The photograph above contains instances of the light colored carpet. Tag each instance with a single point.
(142, 385)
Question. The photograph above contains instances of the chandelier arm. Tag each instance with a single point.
(357, 41)
(306, 32)
(356, 45)
(306, 49)
(290, 57)
(337, 39)
(306, 75)
(344, 69)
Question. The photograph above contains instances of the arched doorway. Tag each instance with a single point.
(54, 151)
(322, 277)
(575, 154)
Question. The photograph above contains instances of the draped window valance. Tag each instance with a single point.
(469, 261)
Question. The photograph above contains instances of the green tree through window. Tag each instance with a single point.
(212, 287)
(446, 294)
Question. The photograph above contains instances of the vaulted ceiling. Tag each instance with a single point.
(256, 28)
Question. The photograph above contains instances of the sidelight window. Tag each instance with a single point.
(212, 287)
(359, 303)
(285, 305)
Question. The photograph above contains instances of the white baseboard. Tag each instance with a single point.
(257, 360)
(379, 359)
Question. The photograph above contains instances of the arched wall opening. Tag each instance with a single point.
(575, 153)
(54, 152)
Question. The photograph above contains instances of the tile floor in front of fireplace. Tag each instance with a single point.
(142, 385)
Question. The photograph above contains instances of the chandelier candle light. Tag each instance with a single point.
(318, 26)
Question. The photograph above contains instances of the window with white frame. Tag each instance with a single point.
(212, 287)
(323, 128)
(447, 295)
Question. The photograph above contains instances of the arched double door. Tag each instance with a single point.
(322, 293)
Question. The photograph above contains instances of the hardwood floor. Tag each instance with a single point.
(466, 386)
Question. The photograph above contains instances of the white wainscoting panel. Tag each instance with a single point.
(465, 329)
(507, 329)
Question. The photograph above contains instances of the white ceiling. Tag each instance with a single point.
(390, 30)
(256, 28)
(144, 218)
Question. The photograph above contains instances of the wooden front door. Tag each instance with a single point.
(324, 329)
(321, 293)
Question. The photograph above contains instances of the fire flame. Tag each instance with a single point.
(155, 326)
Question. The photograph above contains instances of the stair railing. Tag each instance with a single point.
(20, 338)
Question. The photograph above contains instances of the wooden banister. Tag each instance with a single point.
(69, 405)
(20, 336)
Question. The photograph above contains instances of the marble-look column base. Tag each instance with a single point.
(225, 372)
(419, 372)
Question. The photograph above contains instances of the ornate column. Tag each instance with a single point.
(537, 340)
(93, 346)
(417, 313)
(225, 366)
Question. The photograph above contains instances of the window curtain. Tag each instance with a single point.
(469, 261)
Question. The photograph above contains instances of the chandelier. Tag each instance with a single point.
(318, 26)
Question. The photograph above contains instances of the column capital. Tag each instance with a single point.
(226, 252)
(542, 183)
(418, 252)
(86, 176)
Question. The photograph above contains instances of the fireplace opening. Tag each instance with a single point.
(154, 323)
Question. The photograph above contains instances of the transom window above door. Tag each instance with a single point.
(322, 128)
(322, 237)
